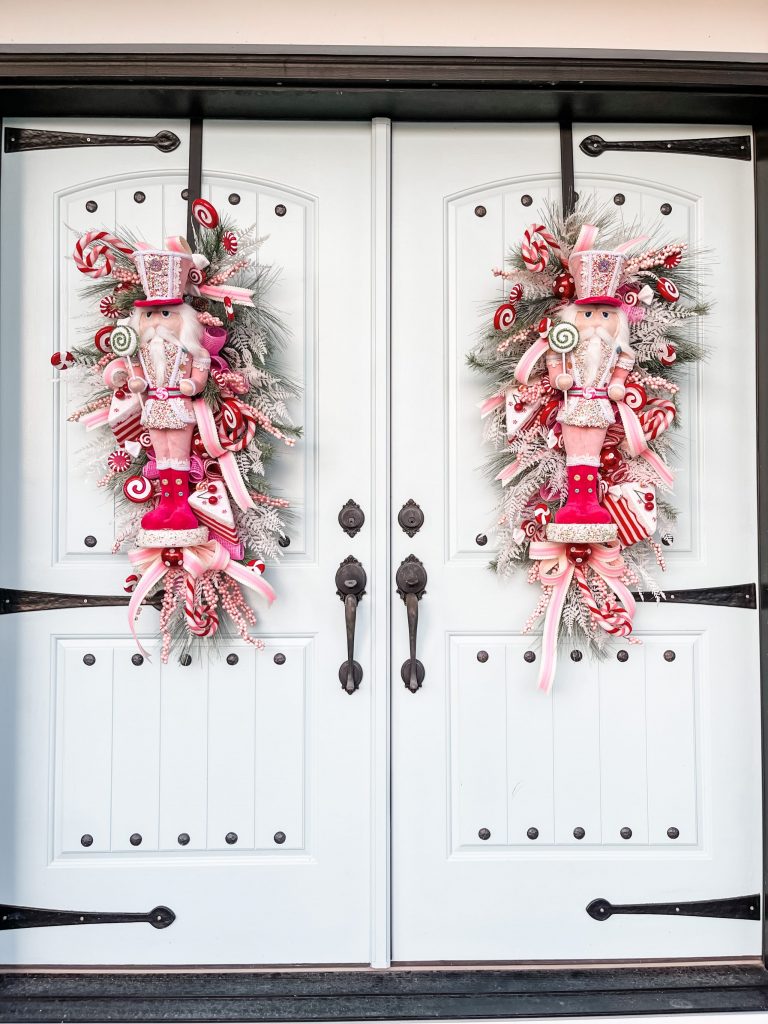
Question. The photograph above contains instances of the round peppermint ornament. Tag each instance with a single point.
(101, 340)
(205, 213)
(667, 289)
(137, 489)
(62, 360)
(563, 337)
(229, 241)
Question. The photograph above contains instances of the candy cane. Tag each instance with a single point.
(87, 255)
(612, 617)
(201, 619)
(534, 248)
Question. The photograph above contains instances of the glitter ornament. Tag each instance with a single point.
(578, 554)
(564, 286)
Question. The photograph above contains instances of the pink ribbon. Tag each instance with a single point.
(95, 419)
(240, 296)
(530, 358)
(638, 444)
(509, 472)
(229, 469)
(197, 559)
(557, 572)
(490, 404)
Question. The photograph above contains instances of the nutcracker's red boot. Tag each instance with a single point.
(583, 504)
(158, 517)
(181, 516)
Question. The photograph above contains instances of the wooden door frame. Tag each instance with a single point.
(436, 86)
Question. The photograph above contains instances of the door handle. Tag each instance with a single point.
(411, 579)
(351, 581)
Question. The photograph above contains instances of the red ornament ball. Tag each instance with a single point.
(172, 558)
(138, 489)
(667, 289)
(564, 286)
(578, 554)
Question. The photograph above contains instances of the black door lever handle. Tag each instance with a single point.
(351, 581)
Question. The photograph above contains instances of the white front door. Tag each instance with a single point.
(237, 795)
(493, 782)
(124, 784)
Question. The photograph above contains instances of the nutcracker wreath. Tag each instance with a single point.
(182, 386)
(583, 363)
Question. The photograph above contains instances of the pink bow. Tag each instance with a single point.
(196, 560)
(557, 572)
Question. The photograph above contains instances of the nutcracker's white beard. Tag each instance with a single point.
(188, 338)
(621, 337)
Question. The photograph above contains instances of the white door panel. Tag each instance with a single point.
(513, 810)
(222, 791)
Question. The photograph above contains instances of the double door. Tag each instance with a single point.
(385, 825)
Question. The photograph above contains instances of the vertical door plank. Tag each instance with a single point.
(479, 735)
(84, 741)
(576, 709)
(671, 706)
(280, 768)
(135, 750)
(231, 716)
(530, 778)
(624, 782)
(183, 753)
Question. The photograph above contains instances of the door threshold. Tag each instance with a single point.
(356, 994)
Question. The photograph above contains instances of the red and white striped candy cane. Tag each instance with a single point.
(537, 241)
(656, 417)
(87, 254)
(614, 619)
(201, 619)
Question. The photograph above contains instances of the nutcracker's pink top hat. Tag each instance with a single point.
(163, 274)
(597, 272)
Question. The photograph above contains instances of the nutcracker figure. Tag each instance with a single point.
(589, 360)
(165, 365)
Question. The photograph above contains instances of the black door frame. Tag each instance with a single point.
(411, 85)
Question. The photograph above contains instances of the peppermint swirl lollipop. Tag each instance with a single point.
(124, 340)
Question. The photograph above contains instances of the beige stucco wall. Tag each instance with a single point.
(737, 26)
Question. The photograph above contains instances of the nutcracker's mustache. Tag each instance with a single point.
(158, 331)
(597, 332)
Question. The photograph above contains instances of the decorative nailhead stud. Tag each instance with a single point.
(135, 839)
(185, 660)
(622, 655)
(284, 542)
(526, 200)
(482, 657)
(139, 197)
(626, 833)
(666, 209)
(86, 840)
(185, 194)
(532, 833)
(232, 659)
(529, 656)
(91, 206)
(230, 838)
(669, 655)
(89, 659)
(579, 833)
(673, 833)
(279, 659)
(183, 839)
(481, 540)
(137, 659)
(280, 210)
(90, 541)
(576, 655)
(233, 199)
(279, 838)
(619, 199)
(484, 834)
(480, 211)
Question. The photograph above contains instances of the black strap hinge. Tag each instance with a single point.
(740, 595)
(33, 917)
(742, 908)
(732, 147)
(19, 140)
(13, 601)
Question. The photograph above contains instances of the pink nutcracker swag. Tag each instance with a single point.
(171, 367)
(591, 376)
(159, 357)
